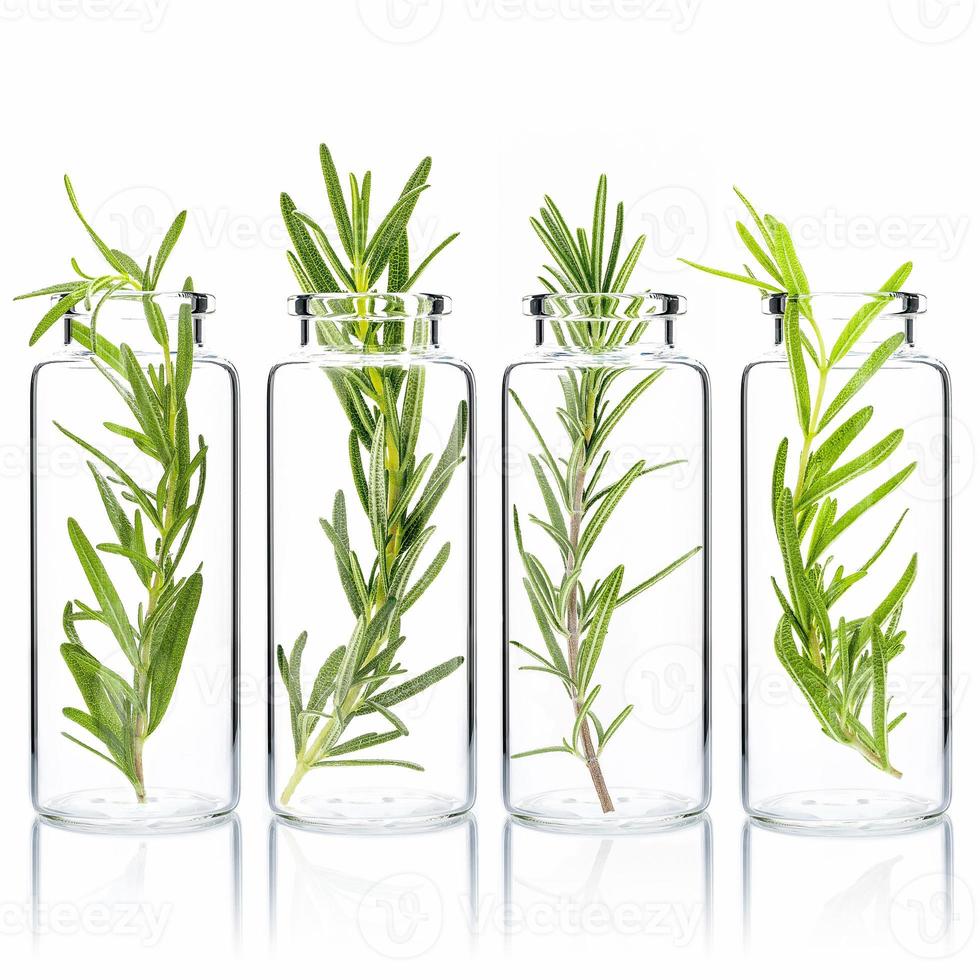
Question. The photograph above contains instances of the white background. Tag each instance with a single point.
(855, 123)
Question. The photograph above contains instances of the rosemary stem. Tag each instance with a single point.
(302, 766)
(153, 596)
(327, 736)
(813, 585)
(333, 728)
(298, 773)
(814, 634)
(374, 401)
(811, 432)
(138, 768)
(588, 746)
(874, 758)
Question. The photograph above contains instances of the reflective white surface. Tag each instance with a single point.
(653, 891)
(398, 896)
(889, 892)
(135, 895)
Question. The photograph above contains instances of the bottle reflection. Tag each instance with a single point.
(399, 895)
(657, 886)
(893, 890)
(161, 891)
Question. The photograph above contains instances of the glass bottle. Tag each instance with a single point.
(134, 554)
(845, 648)
(606, 640)
(371, 566)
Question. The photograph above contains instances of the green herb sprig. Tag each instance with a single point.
(836, 664)
(122, 714)
(397, 491)
(574, 621)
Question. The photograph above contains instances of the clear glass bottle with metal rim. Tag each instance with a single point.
(606, 626)
(134, 555)
(371, 566)
(845, 550)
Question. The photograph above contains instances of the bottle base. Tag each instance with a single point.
(117, 810)
(636, 810)
(373, 811)
(844, 810)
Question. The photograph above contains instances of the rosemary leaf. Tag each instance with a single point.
(574, 624)
(399, 493)
(834, 668)
(122, 715)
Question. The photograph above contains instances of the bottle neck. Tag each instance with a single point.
(370, 323)
(144, 321)
(77, 330)
(837, 322)
(598, 337)
(876, 333)
(370, 336)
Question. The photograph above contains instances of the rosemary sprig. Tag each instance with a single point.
(122, 714)
(397, 491)
(835, 665)
(574, 622)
